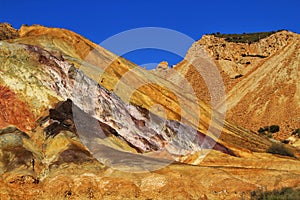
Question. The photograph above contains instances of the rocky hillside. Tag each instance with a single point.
(77, 122)
(261, 78)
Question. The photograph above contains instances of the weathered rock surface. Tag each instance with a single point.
(261, 79)
(7, 32)
(163, 65)
(65, 102)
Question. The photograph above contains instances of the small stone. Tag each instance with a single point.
(163, 65)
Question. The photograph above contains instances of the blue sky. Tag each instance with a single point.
(99, 20)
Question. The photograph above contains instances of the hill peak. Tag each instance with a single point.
(247, 37)
(260, 73)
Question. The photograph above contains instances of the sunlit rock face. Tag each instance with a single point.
(7, 32)
(163, 65)
(140, 129)
(66, 133)
(261, 79)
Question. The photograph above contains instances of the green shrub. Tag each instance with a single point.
(270, 129)
(296, 132)
(245, 37)
(280, 149)
(283, 194)
(274, 128)
(261, 130)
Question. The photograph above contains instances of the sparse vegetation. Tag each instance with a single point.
(271, 129)
(261, 130)
(283, 194)
(245, 37)
(274, 128)
(238, 76)
(268, 130)
(280, 149)
(296, 132)
(253, 55)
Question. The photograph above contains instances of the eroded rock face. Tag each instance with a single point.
(261, 79)
(136, 127)
(58, 120)
(7, 32)
(239, 58)
(176, 138)
(14, 110)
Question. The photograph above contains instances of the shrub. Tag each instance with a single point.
(280, 149)
(274, 128)
(271, 129)
(296, 132)
(284, 193)
(238, 76)
(261, 130)
(245, 37)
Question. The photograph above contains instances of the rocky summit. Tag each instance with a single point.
(260, 72)
(79, 122)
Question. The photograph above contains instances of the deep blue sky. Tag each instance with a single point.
(98, 20)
